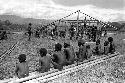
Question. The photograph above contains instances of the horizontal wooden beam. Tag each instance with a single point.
(82, 21)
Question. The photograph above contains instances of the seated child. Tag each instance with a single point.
(22, 69)
(44, 61)
(69, 53)
(88, 51)
(59, 58)
(82, 50)
(106, 47)
(97, 49)
(111, 45)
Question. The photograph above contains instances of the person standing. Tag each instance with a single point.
(37, 33)
(29, 31)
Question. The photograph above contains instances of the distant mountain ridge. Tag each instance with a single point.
(20, 20)
(121, 22)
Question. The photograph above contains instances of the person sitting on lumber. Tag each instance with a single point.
(88, 51)
(111, 45)
(82, 50)
(22, 69)
(106, 47)
(44, 61)
(69, 53)
(97, 49)
(58, 57)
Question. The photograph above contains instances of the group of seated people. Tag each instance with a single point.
(62, 56)
(109, 47)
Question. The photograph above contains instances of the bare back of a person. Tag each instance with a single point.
(106, 49)
(89, 53)
(82, 53)
(23, 70)
(71, 53)
(45, 63)
(61, 57)
(112, 48)
(97, 49)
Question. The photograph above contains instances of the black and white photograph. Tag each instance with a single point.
(62, 41)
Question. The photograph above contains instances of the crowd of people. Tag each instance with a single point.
(63, 55)
(92, 32)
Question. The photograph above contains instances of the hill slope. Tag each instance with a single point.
(19, 20)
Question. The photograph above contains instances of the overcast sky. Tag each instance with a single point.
(106, 10)
(113, 4)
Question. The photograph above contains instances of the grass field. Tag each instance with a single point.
(7, 66)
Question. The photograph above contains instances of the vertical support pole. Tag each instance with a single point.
(58, 29)
(58, 25)
(85, 21)
(77, 30)
(89, 22)
(77, 22)
(65, 26)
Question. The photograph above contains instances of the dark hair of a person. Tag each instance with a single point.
(110, 39)
(30, 24)
(106, 43)
(58, 47)
(43, 52)
(22, 58)
(88, 46)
